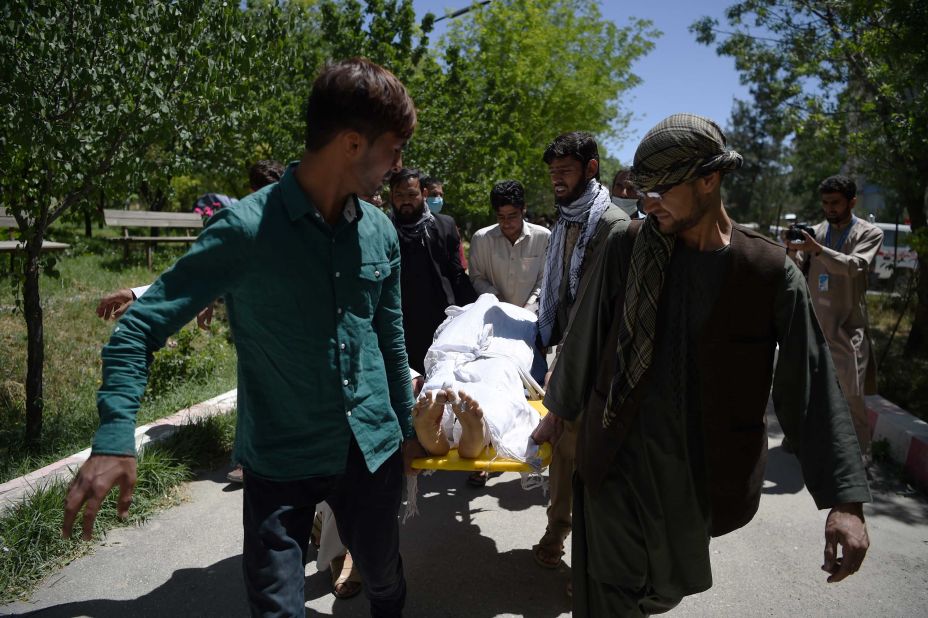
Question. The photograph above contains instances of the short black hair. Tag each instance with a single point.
(263, 173)
(619, 172)
(839, 184)
(578, 145)
(405, 174)
(357, 95)
(428, 182)
(507, 193)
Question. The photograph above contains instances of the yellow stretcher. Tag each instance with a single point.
(487, 460)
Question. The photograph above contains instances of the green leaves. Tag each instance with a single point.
(854, 72)
(512, 76)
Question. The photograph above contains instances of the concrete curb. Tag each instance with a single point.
(14, 490)
(907, 437)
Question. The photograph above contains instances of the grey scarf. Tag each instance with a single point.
(586, 210)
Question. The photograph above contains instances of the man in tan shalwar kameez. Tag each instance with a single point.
(837, 263)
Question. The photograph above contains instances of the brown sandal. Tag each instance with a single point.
(346, 580)
(547, 553)
(547, 557)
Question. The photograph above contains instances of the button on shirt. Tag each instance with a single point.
(510, 271)
(316, 318)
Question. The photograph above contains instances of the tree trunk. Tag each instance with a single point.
(35, 342)
(917, 343)
(88, 224)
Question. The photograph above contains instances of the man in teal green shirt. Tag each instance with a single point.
(311, 278)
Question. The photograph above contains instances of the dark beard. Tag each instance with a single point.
(703, 203)
(410, 218)
(574, 195)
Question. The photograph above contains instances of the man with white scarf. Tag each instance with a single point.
(586, 214)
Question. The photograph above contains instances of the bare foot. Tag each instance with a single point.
(473, 433)
(426, 419)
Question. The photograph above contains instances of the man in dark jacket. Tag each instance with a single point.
(432, 277)
(668, 363)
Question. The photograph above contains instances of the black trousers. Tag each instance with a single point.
(278, 519)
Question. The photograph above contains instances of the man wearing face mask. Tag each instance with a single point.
(586, 215)
(431, 277)
(625, 194)
(434, 193)
(435, 200)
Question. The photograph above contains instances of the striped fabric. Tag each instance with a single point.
(650, 256)
(679, 148)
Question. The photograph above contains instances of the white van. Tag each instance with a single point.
(895, 246)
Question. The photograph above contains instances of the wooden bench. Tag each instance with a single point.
(13, 246)
(127, 219)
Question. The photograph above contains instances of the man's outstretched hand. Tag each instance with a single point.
(845, 527)
(96, 477)
(114, 304)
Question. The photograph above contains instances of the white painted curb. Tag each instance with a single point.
(907, 437)
(12, 491)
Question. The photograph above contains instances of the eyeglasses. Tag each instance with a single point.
(657, 192)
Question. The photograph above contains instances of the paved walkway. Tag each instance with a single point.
(468, 555)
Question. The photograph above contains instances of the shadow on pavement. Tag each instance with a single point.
(894, 498)
(783, 474)
(452, 569)
(216, 590)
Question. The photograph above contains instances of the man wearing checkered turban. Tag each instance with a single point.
(668, 364)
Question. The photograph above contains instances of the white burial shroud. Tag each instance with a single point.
(486, 349)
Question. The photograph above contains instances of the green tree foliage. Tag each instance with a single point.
(759, 192)
(513, 75)
(845, 76)
(105, 95)
(101, 100)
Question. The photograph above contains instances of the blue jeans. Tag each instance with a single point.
(278, 519)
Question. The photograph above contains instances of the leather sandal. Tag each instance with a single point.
(346, 580)
(547, 553)
(547, 557)
(478, 478)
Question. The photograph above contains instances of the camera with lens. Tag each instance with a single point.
(794, 232)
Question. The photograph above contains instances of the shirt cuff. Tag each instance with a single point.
(848, 494)
(115, 438)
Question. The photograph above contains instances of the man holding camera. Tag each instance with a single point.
(836, 260)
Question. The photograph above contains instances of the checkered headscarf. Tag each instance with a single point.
(681, 147)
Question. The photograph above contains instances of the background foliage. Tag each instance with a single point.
(845, 83)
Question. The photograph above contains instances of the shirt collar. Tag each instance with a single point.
(526, 231)
(299, 205)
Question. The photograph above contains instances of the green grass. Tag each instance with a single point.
(74, 337)
(31, 546)
(902, 378)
